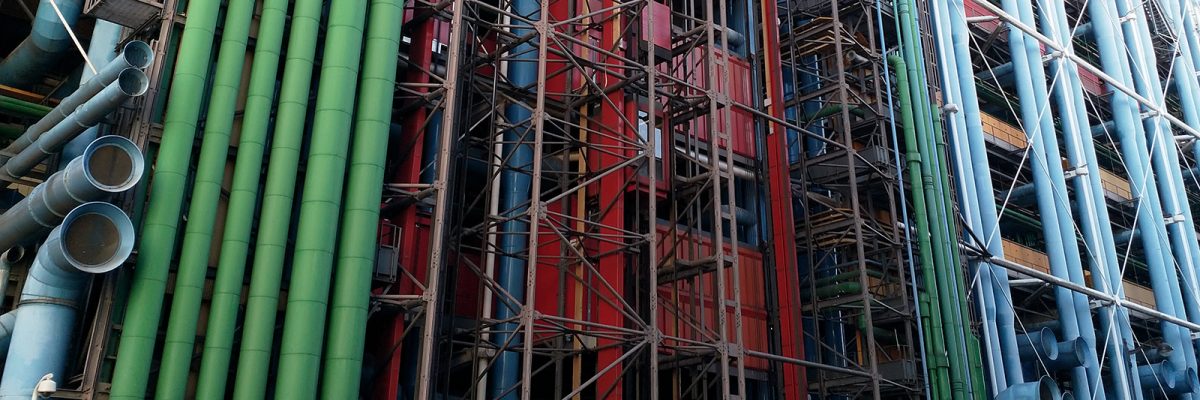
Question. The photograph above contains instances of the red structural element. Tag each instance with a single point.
(783, 234)
(413, 240)
(1092, 83)
(742, 126)
(699, 297)
(609, 193)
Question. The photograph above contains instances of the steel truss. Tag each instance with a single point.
(631, 221)
(855, 288)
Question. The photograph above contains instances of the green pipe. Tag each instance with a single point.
(179, 345)
(942, 249)
(144, 309)
(955, 267)
(21, 108)
(11, 131)
(274, 222)
(360, 215)
(834, 290)
(243, 196)
(852, 275)
(312, 262)
(829, 111)
(956, 305)
(935, 339)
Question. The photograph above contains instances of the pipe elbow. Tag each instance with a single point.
(94, 238)
(1042, 389)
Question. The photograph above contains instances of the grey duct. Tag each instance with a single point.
(135, 54)
(110, 164)
(130, 83)
(94, 238)
(47, 41)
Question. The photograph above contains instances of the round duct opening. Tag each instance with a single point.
(133, 82)
(138, 54)
(13, 255)
(96, 237)
(113, 163)
(92, 239)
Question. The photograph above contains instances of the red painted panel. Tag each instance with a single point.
(737, 88)
(1092, 83)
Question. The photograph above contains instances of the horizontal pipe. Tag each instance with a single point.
(1040, 344)
(1070, 354)
(1093, 293)
(110, 164)
(22, 108)
(136, 54)
(1163, 378)
(132, 82)
(1042, 389)
(94, 238)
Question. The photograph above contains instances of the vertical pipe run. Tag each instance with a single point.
(262, 301)
(159, 228)
(312, 262)
(1057, 224)
(359, 239)
(243, 196)
(1095, 224)
(1149, 221)
(179, 345)
(515, 184)
(935, 337)
(1142, 73)
(1000, 334)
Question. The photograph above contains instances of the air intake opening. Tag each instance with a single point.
(92, 239)
(111, 166)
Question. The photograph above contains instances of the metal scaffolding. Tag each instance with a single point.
(855, 286)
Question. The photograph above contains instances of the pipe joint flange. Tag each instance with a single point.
(47, 300)
(1174, 219)
(1080, 171)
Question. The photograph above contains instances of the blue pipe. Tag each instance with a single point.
(101, 50)
(47, 41)
(1041, 389)
(1094, 219)
(1148, 84)
(1057, 223)
(1001, 337)
(1185, 83)
(1149, 221)
(94, 238)
(515, 185)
